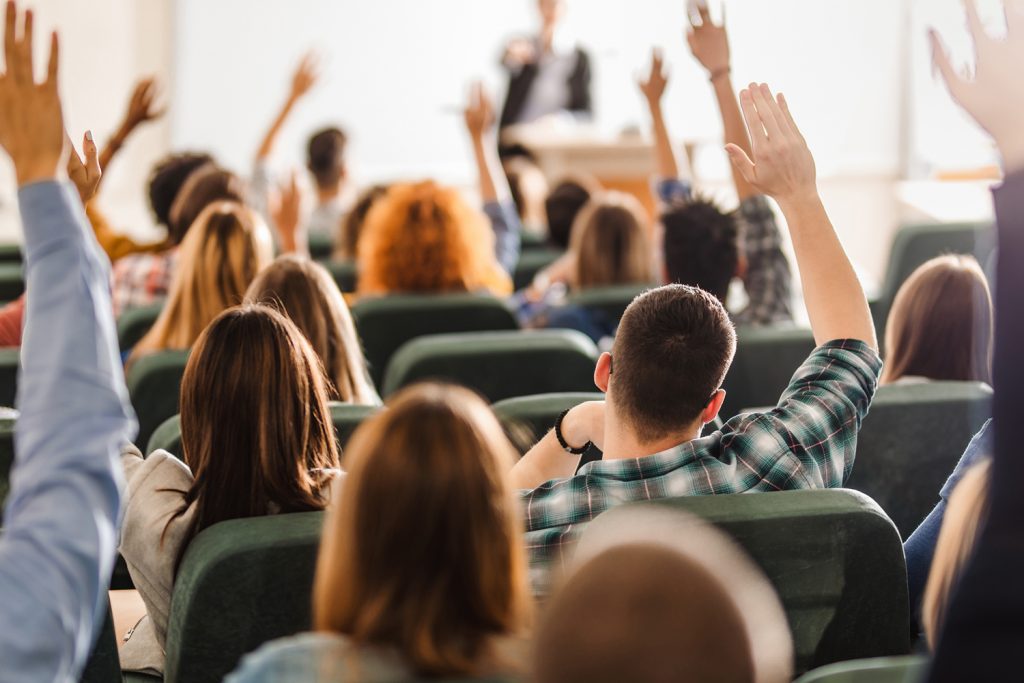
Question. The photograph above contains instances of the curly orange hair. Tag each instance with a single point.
(427, 238)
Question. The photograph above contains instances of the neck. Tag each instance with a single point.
(547, 37)
(327, 194)
(621, 443)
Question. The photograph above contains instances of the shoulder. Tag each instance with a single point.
(315, 657)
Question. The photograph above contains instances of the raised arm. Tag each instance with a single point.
(141, 108)
(782, 167)
(303, 80)
(653, 89)
(58, 545)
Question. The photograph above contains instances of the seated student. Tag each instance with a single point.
(529, 190)
(424, 238)
(305, 292)
(256, 438)
(346, 242)
(145, 278)
(422, 571)
(940, 325)
(663, 378)
(702, 245)
(662, 597)
(60, 519)
(219, 258)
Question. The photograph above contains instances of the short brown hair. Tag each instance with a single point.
(347, 242)
(940, 325)
(609, 243)
(423, 548)
(326, 156)
(203, 187)
(671, 352)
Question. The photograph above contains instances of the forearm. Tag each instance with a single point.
(493, 185)
(266, 147)
(664, 155)
(735, 129)
(544, 462)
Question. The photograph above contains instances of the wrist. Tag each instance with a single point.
(574, 430)
(720, 74)
(799, 200)
(29, 174)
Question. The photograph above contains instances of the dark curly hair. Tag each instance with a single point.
(167, 179)
(701, 246)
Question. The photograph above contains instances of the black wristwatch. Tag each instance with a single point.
(561, 439)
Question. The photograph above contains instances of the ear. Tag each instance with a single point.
(713, 407)
(603, 371)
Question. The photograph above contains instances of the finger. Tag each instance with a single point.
(753, 118)
(767, 109)
(1014, 16)
(705, 15)
(742, 162)
(974, 25)
(54, 65)
(10, 36)
(940, 60)
(784, 106)
(74, 161)
(27, 72)
(92, 156)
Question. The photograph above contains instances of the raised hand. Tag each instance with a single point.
(782, 165)
(31, 119)
(306, 75)
(85, 175)
(519, 52)
(286, 211)
(709, 43)
(995, 94)
(141, 106)
(479, 112)
(654, 87)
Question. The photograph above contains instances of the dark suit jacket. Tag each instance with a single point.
(520, 84)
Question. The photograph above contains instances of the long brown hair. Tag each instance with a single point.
(423, 547)
(940, 326)
(202, 187)
(220, 256)
(609, 244)
(256, 428)
(305, 292)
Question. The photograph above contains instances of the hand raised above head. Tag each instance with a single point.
(479, 112)
(86, 174)
(654, 86)
(306, 75)
(709, 43)
(142, 105)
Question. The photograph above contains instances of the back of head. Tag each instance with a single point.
(529, 188)
(167, 179)
(305, 292)
(255, 425)
(203, 187)
(701, 247)
(326, 157)
(562, 206)
(352, 226)
(671, 353)
(423, 549)
(217, 261)
(425, 238)
(940, 325)
(609, 243)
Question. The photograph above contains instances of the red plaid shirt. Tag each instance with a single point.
(142, 279)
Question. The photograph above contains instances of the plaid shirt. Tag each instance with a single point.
(142, 279)
(768, 280)
(808, 441)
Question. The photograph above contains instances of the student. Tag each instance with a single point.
(60, 518)
(346, 244)
(940, 325)
(425, 238)
(563, 205)
(529, 190)
(256, 438)
(422, 571)
(663, 377)
(983, 632)
(306, 293)
(219, 259)
(702, 245)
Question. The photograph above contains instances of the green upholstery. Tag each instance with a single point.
(766, 359)
(154, 383)
(135, 323)
(103, 665)
(385, 323)
(344, 274)
(536, 414)
(10, 359)
(6, 458)
(498, 364)
(241, 583)
(908, 669)
(345, 416)
(612, 301)
(12, 280)
(911, 440)
(531, 262)
(10, 253)
(835, 560)
(320, 246)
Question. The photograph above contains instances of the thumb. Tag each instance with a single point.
(92, 158)
(742, 162)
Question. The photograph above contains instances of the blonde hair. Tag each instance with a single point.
(423, 547)
(965, 514)
(426, 238)
(220, 255)
(609, 243)
(940, 326)
(306, 293)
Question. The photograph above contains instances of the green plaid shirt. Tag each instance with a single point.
(808, 441)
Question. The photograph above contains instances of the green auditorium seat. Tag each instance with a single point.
(908, 669)
(10, 253)
(531, 262)
(320, 246)
(536, 414)
(135, 323)
(532, 241)
(10, 359)
(911, 440)
(766, 359)
(611, 301)
(6, 459)
(344, 274)
(12, 280)
(834, 558)
(154, 383)
(241, 583)
(498, 365)
(345, 416)
(386, 323)
(103, 665)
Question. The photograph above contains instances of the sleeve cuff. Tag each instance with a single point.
(48, 211)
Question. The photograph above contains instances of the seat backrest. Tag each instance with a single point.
(320, 246)
(7, 426)
(135, 323)
(104, 665)
(910, 441)
(498, 365)
(12, 280)
(531, 262)
(766, 359)
(344, 274)
(536, 414)
(908, 669)
(154, 384)
(241, 583)
(386, 323)
(10, 253)
(345, 416)
(10, 361)
(610, 301)
(834, 559)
